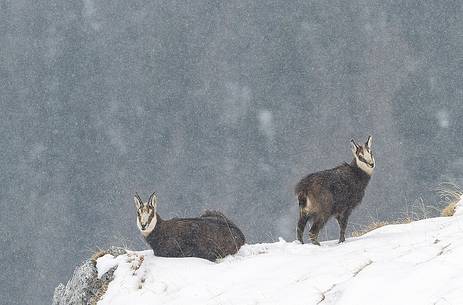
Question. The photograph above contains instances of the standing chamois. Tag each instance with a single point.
(210, 236)
(334, 192)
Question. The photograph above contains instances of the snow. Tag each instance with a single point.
(416, 263)
(106, 262)
(459, 208)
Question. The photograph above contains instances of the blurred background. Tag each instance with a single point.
(213, 104)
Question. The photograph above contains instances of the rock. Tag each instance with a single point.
(84, 287)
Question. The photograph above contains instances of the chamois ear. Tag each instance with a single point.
(368, 143)
(138, 202)
(153, 200)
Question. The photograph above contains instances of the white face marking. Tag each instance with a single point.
(364, 157)
(145, 225)
(363, 166)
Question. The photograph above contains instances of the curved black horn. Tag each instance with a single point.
(368, 142)
(152, 200)
(353, 142)
(138, 201)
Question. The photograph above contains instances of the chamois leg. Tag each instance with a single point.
(315, 229)
(342, 221)
(303, 218)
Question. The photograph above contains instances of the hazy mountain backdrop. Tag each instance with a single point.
(212, 104)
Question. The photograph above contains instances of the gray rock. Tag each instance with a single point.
(84, 287)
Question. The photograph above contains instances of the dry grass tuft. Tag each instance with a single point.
(449, 210)
(369, 227)
(99, 253)
(450, 194)
(378, 224)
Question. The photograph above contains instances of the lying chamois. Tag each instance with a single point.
(210, 236)
(334, 192)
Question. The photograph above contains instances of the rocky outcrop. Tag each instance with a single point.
(84, 287)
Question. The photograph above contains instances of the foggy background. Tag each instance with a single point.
(212, 104)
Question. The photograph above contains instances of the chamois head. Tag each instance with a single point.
(146, 214)
(364, 156)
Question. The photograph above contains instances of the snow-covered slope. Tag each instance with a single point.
(417, 263)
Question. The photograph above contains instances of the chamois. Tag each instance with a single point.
(334, 192)
(210, 236)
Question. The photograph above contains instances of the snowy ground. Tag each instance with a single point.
(417, 263)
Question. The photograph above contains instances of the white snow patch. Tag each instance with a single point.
(105, 263)
(90, 13)
(266, 123)
(443, 118)
(416, 263)
(459, 207)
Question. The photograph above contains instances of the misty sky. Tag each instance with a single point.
(213, 104)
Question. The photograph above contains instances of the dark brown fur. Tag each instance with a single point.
(333, 192)
(210, 236)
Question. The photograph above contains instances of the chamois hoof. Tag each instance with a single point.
(315, 242)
